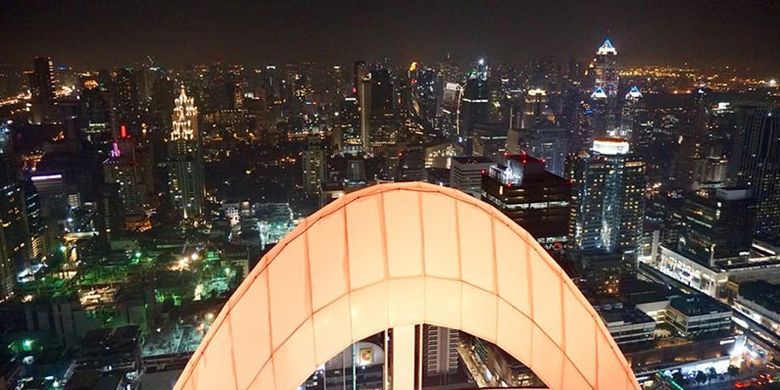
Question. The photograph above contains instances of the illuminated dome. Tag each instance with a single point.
(392, 256)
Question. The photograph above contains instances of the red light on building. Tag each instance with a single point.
(123, 131)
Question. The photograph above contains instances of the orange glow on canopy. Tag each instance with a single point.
(361, 264)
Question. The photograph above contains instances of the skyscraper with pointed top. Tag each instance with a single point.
(631, 114)
(185, 177)
(604, 72)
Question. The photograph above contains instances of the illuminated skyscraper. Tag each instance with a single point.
(362, 85)
(755, 163)
(186, 158)
(43, 105)
(127, 101)
(123, 167)
(609, 199)
(534, 198)
(605, 88)
(605, 69)
(717, 226)
(14, 236)
(632, 113)
(95, 113)
(535, 104)
(474, 105)
(313, 165)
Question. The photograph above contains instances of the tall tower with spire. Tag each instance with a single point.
(185, 175)
(605, 89)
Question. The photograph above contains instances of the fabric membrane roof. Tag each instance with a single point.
(403, 254)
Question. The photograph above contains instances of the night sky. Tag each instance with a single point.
(112, 33)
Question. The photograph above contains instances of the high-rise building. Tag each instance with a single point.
(185, 164)
(95, 113)
(43, 104)
(609, 199)
(474, 105)
(382, 93)
(548, 143)
(362, 80)
(631, 115)
(605, 81)
(313, 165)
(127, 101)
(411, 163)
(717, 226)
(124, 167)
(14, 237)
(36, 226)
(533, 107)
(466, 173)
(755, 163)
(489, 140)
(108, 218)
(440, 353)
(535, 199)
(605, 70)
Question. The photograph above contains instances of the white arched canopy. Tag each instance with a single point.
(402, 254)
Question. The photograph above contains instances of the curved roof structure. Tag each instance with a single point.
(402, 254)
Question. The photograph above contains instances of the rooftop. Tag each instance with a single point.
(473, 160)
(698, 304)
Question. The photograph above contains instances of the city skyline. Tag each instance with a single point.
(84, 34)
(318, 196)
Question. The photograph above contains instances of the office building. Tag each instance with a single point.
(466, 173)
(717, 226)
(632, 114)
(14, 237)
(36, 225)
(123, 167)
(473, 106)
(314, 165)
(626, 323)
(128, 101)
(609, 199)
(548, 143)
(42, 94)
(489, 140)
(411, 163)
(185, 163)
(364, 104)
(698, 316)
(440, 354)
(605, 88)
(755, 163)
(95, 113)
(534, 108)
(535, 199)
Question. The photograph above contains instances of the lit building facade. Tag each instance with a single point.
(605, 88)
(123, 167)
(14, 237)
(535, 199)
(466, 173)
(185, 163)
(756, 163)
(632, 114)
(609, 199)
(313, 166)
(534, 107)
(717, 226)
(43, 104)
